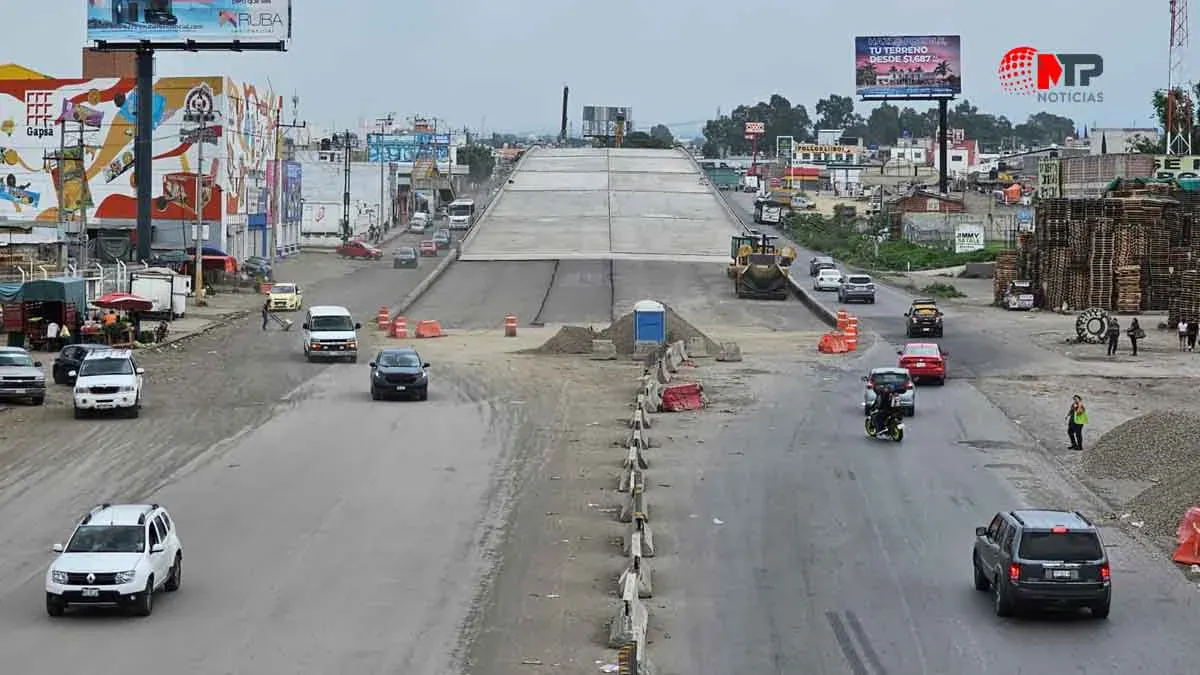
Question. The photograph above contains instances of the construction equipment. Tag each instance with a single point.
(759, 266)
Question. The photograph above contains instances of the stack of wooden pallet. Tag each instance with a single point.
(1100, 264)
(1129, 288)
(1053, 274)
(1005, 273)
(1189, 296)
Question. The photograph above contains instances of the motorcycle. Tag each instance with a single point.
(893, 426)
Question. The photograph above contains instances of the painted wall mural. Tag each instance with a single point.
(87, 127)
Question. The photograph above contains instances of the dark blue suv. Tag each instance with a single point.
(1037, 558)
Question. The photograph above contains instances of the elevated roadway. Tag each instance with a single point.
(580, 235)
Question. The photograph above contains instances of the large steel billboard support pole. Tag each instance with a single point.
(943, 142)
(143, 150)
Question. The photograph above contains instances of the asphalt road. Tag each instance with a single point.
(480, 294)
(323, 532)
(841, 554)
(972, 352)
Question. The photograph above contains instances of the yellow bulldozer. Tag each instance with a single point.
(759, 266)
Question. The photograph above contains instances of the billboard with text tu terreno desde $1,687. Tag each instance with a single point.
(128, 21)
(908, 66)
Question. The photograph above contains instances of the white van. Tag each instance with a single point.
(419, 222)
(330, 333)
(462, 214)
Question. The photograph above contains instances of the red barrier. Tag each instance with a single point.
(1188, 552)
(684, 396)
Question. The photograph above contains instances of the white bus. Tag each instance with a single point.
(461, 213)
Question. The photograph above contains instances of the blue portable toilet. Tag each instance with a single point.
(650, 322)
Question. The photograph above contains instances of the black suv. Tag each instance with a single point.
(1034, 558)
(924, 318)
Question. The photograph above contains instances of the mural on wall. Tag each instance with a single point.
(98, 118)
(249, 144)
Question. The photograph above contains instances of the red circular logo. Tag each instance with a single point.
(1017, 70)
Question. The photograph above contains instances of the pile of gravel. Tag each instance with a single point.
(1161, 507)
(569, 340)
(1156, 446)
(621, 332)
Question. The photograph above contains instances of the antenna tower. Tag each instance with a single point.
(1180, 113)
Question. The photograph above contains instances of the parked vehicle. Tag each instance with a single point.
(165, 288)
(285, 298)
(69, 360)
(21, 378)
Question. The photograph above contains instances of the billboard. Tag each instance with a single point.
(237, 145)
(601, 121)
(223, 21)
(293, 197)
(407, 147)
(907, 66)
(785, 147)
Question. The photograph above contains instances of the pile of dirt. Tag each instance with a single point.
(1155, 446)
(569, 340)
(621, 332)
(1162, 447)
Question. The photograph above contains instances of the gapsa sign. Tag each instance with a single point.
(123, 21)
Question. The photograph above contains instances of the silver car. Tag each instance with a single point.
(21, 377)
(857, 288)
(900, 380)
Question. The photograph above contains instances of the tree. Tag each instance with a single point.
(726, 134)
(480, 160)
(641, 139)
(836, 112)
(883, 125)
(1185, 119)
(1043, 129)
(661, 133)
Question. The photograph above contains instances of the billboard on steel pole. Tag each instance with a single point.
(902, 67)
(201, 21)
(601, 121)
(784, 146)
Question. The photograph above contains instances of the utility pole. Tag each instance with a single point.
(277, 186)
(385, 123)
(346, 188)
(198, 281)
(83, 204)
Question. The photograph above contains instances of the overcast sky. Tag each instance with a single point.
(503, 64)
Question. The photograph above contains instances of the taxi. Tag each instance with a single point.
(285, 297)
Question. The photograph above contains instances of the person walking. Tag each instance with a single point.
(1076, 418)
(1193, 329)
(1135, 333)
(1183, 333)
(1113, 333)
(266, 313)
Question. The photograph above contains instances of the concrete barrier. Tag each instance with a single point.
(813, 303)
(636, 508)
(630, 624)
(634, 462)
(730, 352)
(697, 347)
(637, 569)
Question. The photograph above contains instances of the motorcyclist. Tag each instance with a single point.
(884, 401)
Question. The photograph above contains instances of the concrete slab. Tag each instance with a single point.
(604, 204)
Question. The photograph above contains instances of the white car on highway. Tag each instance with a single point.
(827, 280)
(119, 555)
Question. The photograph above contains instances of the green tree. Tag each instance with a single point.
(883, 125)
(726, 135)
(1043, 129)
(480, 160)
(835, 112)
(1185, 119)
(641, 139)
(661, 133)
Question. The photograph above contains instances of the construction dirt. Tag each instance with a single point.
(578, 339)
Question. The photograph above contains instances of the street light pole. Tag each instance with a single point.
(384, 123)
(198, 282)
(277, 186)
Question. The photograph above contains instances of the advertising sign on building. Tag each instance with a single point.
(968, 237)
(784, 146)
(1049, 179)
(1174, 167)
(293, 197)
(407, 147)
(907, 66)
(215, 21)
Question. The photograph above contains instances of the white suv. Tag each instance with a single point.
(117, 556)
(108, 379)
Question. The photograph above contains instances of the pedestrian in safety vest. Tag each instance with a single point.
(1076, 418)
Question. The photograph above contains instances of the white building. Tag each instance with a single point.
(1119, 141)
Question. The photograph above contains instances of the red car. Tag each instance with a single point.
(358, 249)
(924, 361)
(429, 248)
